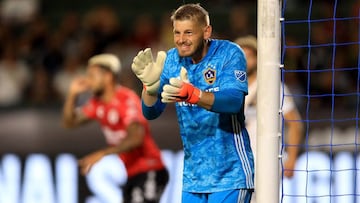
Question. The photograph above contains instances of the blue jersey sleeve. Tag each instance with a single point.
(233, 82)
(152, 112)
(234, 75)
(228, 102)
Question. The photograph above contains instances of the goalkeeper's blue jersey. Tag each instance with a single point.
(217, 153)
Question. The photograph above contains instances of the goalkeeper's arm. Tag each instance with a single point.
(226, 101)
(152, 107)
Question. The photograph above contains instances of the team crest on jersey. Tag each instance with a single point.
(240, 75)
(210, 75)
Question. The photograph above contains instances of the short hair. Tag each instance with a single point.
(107, 61)
(248, 41)
(191, 12)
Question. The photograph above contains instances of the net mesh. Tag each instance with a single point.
(320, 57)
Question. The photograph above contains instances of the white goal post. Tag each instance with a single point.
(268, 102)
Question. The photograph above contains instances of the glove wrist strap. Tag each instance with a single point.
(195, 97)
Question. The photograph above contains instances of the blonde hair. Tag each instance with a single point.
(248, 41)
(191, 12)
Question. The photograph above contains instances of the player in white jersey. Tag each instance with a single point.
(294, 132)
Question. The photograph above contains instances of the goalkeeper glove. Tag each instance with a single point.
(180, 90)
(148, 70)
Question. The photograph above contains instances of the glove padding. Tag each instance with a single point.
(148, 70)
(180, 90)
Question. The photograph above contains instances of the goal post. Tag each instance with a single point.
(268, 102)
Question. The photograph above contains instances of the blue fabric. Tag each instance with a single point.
(152, 112)
(217, 153)
(228, 196)
(228, 102)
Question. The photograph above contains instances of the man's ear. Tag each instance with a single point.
(207, 32)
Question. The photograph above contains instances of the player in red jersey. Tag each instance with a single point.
(118, 110)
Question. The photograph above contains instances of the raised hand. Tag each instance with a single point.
(148, 70)
(180, 90)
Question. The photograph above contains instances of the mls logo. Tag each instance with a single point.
(210, 75)
(240, 75)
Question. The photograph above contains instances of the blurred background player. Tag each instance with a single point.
(294, 128)
(218, 165)
(118, 110)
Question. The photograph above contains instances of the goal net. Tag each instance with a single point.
(320, 66)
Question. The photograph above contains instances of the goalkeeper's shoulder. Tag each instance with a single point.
(230, 46)
(172, 54)
(225, 48)
(172, 58)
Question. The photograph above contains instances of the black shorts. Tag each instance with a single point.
(146, 187)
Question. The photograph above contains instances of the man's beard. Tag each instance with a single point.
(198, 51)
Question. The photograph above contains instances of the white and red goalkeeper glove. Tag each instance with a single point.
(180, 90)
(148, 70)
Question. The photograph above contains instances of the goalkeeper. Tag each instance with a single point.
(206, 79)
